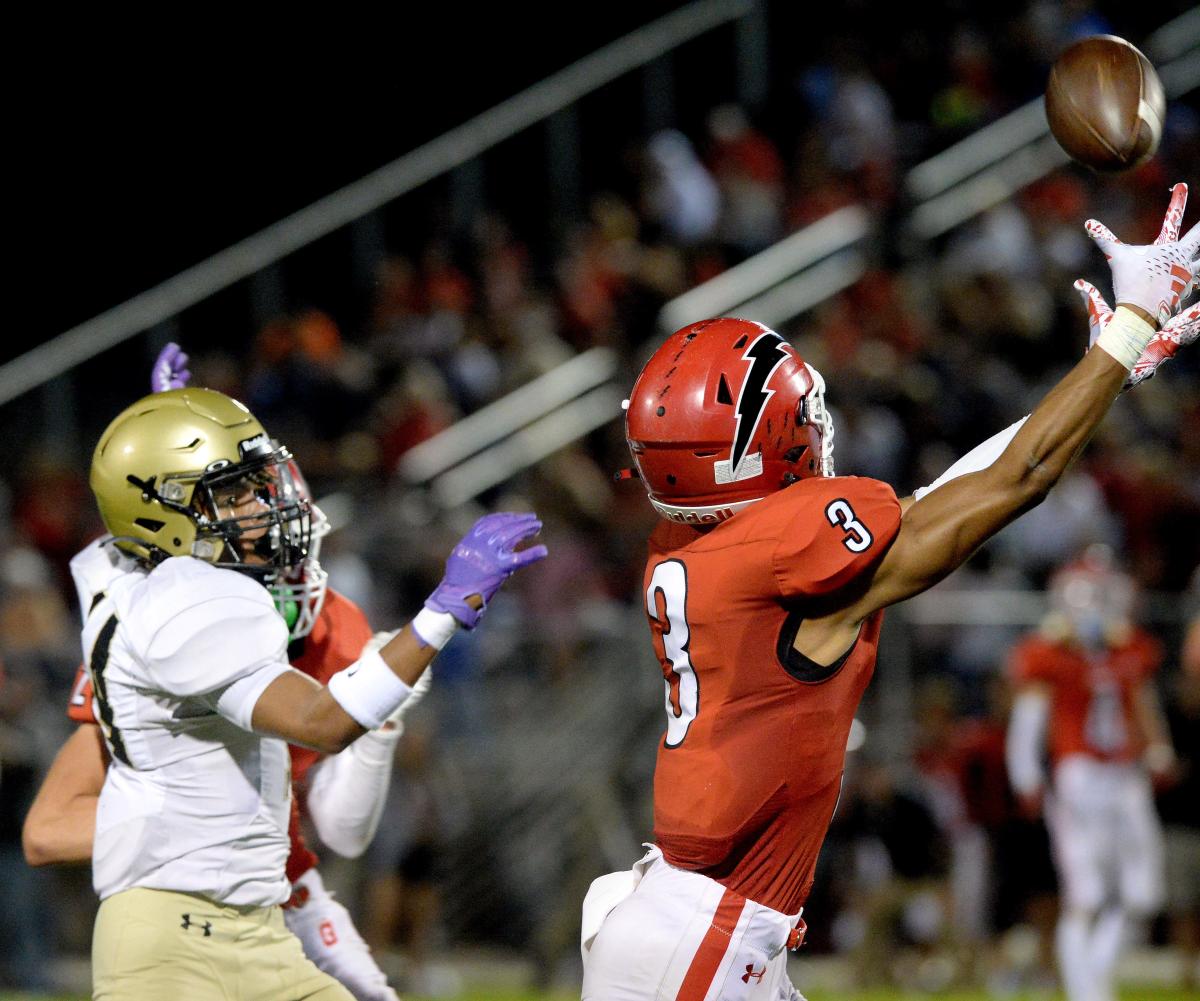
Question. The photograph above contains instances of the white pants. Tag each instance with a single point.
(1108, 843)
(657, 933)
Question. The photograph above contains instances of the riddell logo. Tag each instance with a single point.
(708, 517)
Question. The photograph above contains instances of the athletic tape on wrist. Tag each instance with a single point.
(1125, 337)
(369, 690)
(434, 628)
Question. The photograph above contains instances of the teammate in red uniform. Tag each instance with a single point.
(344, 793)
(764, 589)
(1084, 688)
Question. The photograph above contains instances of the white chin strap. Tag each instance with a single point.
(712, 514)
(818, 414)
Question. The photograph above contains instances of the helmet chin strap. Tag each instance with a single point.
(710, 514)
(819, 415)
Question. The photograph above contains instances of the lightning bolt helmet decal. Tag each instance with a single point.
(765, 354)
(724, 413)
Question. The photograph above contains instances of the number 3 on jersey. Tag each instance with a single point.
(666, 603)
(857, 539)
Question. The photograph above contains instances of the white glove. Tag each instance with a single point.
(1155, 277)
(1180, 331)
(332, 942)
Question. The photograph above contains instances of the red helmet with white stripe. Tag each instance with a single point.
(725, 413)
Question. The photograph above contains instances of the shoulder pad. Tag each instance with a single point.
(94, 568)
(830, 530)
(198, 628)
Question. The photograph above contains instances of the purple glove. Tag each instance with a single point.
(170, 369)
(482, 561)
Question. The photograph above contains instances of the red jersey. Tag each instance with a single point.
(750, 768)
(336, 640)
(1092, 693)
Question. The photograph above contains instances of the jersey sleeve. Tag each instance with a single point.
(831, 531)
(80, 706)
(202, 629)
(350, 630)
(1030, 662)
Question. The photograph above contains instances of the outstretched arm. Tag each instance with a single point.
(329, 718)
(365, 695)
(942, 529)
(61, 824)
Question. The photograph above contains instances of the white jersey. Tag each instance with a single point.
(193, 800)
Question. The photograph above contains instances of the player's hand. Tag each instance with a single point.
(170, 369)
(1180, 331)
(1029, 804)
(483, 560)
(1155, 278)
(1162, 766)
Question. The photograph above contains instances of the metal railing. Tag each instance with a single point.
(813, 264)
(581, 395)
(435, 158)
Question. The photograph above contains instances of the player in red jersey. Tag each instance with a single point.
(1084, 688)
(764, 588)
(344, 793)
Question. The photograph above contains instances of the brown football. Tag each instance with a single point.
(1105, 103)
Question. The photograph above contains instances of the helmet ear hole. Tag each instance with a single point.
(149, 524)
(723, 393)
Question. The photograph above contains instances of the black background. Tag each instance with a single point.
(138, 150)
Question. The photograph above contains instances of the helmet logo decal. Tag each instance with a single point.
(765, 354)
(260, 444)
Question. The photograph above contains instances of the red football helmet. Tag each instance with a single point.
(1091, 599)
(725, 413)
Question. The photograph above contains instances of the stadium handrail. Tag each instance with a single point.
(766, 269)
(1027, 123)
(494, 422)
(435, 158)
(817, 262)
(1025, 163)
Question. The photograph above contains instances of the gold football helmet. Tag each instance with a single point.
(165, 469)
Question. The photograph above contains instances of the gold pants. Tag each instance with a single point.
(158, 945)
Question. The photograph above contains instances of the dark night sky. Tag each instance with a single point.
(135, 160)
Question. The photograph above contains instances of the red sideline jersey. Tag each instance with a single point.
(750, 768)
(336, 640)
(1092, 694)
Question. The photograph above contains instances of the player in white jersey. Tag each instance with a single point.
(346, 792)
(186, 652)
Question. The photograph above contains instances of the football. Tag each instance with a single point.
(1105, 104)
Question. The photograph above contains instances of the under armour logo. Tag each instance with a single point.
(187, 923)
(752, 972)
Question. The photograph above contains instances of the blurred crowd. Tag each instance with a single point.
(529, 772)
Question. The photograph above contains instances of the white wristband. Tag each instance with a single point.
(1125, 337)
(369, 690)
(434, 628)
